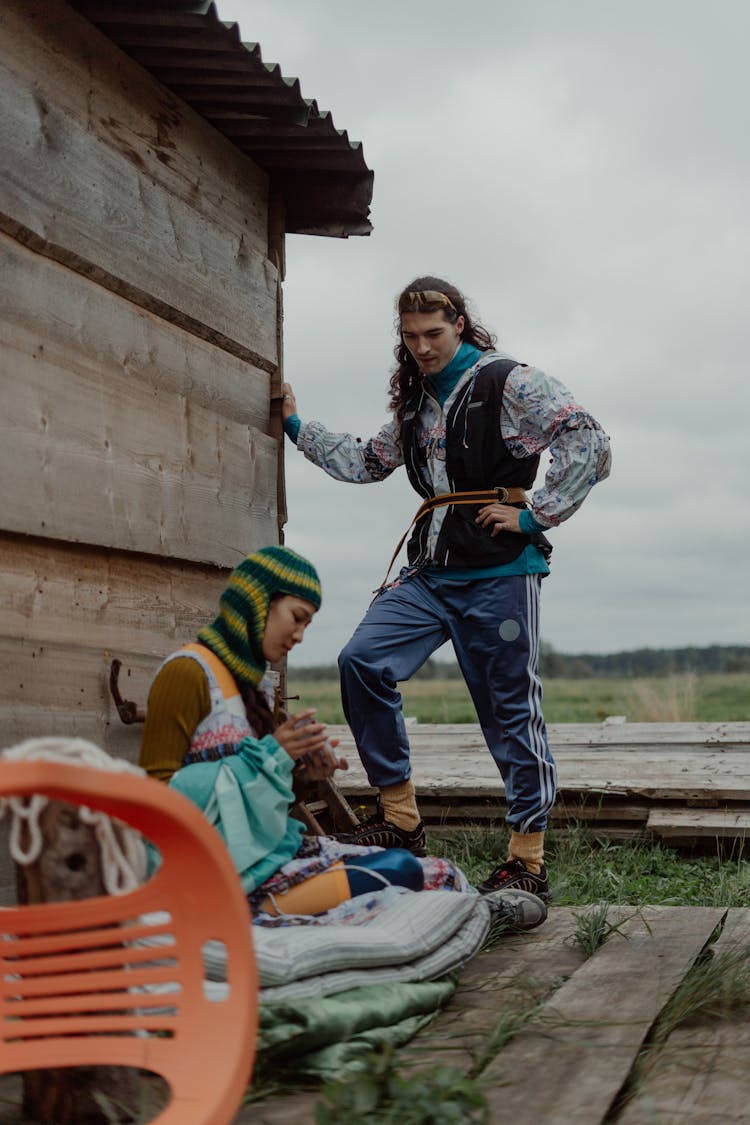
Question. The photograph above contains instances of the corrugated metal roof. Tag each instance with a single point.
(320, 173)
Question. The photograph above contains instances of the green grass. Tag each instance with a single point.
(709, 698)
(442, 1095)
(593, 927)
(585, 870)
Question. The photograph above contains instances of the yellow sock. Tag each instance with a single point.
(399, 805)
(529, 848)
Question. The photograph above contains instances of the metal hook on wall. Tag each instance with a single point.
(128, 711)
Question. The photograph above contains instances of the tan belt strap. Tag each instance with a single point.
(497, 495)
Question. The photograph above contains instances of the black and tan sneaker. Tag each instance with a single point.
(514, 874)
(378, 832)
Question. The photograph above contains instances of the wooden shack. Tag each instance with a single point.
(152, 165)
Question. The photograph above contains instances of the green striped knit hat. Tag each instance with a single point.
(236, 636)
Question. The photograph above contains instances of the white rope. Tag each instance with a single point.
(121, 848)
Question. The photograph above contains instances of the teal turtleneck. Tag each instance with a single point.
(441, 384)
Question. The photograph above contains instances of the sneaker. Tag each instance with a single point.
(514, 874)
(515, 910)
(378, 832)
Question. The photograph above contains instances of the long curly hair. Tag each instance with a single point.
(406, 377)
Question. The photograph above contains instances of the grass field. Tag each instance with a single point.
(586, 869)
(686, 698)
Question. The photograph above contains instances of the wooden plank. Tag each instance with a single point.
(594, 737)
(462, 766)
(433, 745)
(728, 780)
(69, 193)
(101, 445)
(671, 822)
(697, 1083)
(67, 595)
(735, 933)
(590, 811)
(701, 1075)
(509, 977)
(66, 611)
(654, 736)
(45, 305)
(583, 1043)
(48, 689)
(70, 62)
(605, 830)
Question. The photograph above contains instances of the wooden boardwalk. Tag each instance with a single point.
(593, 1029)
(591, 1033)
(677, 781)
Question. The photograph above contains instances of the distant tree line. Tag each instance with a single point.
(713, 659)
(559, 665)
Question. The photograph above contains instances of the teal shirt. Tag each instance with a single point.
(441, 384)
(246, 796)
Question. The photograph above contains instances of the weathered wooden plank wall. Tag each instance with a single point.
(84, 184)
(140, 346)
(67, 610)
(127, 437)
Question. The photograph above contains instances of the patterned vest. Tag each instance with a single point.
(226, 724)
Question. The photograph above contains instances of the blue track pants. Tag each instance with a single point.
(494, 626)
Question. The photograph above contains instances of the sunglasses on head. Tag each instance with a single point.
(413, 301)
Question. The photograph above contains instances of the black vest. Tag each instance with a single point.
(476, 458)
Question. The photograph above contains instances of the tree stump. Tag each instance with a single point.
(68, 868)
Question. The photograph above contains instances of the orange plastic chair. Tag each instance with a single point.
(74, 973)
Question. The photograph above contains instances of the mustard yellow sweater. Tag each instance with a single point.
(178, 701)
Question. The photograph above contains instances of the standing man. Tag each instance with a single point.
(469, 423)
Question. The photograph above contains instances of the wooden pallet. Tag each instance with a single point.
(678, 781)
(572, 1061)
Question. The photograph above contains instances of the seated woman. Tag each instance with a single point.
(210, 732)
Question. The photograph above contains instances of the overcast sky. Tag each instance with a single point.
(580, 170)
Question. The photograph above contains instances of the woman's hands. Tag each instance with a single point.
(306, 741)
(501, 517)
(288, 402)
